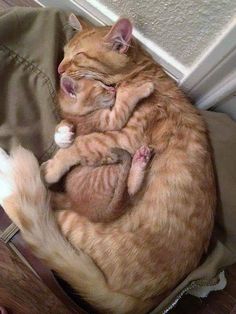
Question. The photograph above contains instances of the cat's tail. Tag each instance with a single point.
(26, 201)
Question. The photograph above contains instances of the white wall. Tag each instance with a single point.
(183, 28)
(195, 40)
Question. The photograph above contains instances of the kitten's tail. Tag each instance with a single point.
(26, 201)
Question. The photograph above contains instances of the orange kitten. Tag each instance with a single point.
(110, 186)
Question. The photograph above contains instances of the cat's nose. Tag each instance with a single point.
(61, 68)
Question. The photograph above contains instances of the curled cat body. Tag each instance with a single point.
(131, 263)
(99, 193)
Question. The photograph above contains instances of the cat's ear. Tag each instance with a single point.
(120, 35)
(74, 22)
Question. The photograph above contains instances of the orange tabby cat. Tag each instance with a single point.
(129, 264)
(110, 186)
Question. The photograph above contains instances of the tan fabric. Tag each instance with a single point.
(31, 46)
(31, 42)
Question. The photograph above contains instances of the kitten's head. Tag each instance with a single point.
(104, 53)
(84, 96)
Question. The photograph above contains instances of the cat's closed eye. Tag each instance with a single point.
(80, 53)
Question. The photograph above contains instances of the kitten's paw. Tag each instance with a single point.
(147, 89)
(6, 176)
(50, 172)
(64, 136)
(142, 156)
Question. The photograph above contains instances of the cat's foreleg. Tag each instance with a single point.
(92, 149)
(128, 96)
(118, 203)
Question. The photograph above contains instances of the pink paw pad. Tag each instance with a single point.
(142, 156)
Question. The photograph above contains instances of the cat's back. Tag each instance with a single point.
(181, 179)
(164, 234)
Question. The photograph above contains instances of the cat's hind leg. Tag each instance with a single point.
(64, 159)
(120, 198)
(138, 169)
(92, 150)
(110, 195)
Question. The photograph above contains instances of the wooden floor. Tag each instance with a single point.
(223, 302)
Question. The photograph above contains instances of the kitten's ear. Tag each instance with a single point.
(74, 22)
(120, 35)
(68, 85)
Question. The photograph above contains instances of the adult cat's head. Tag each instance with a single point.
(105, 53)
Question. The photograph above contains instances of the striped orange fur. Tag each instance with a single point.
(101, 193)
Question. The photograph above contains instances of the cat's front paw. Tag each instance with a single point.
(50, 172)
(64, 136)
(146, 89)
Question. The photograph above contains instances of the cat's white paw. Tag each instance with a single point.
(64, 136)
(6, 177)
